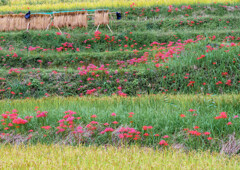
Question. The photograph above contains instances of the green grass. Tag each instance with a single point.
(138, 78)
(160, 111)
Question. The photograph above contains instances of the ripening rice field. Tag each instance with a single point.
(160, 88)
(133, 157)
(51, 5)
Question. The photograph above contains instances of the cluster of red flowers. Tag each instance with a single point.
(223, 115)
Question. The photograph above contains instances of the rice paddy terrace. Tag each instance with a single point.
(161, 49)
(164, 77)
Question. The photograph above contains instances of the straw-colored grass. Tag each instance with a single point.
(101, 18)
(21, 22)
(106, 18)
(58, 20)
(84, 19)
(13, 22)
(96, 18)
(4, 22)
(39, 21)
(70, 19)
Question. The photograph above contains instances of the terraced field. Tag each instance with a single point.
(157, 52)
(168, 77)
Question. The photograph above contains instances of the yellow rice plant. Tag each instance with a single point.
(108, 157)
(55, 5)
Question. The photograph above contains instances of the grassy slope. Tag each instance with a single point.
(160, 111)
(200, 71)
(213, 20)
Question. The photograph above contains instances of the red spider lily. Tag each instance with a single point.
(131, 114)
(202, 56)
(97, 35)
(107, 130)
(206, 133)
(135, 138)
(182, 115)
(42, 114)
(223, 115)
(28, 118)
(13, 116)
(158, 65)
(93, 122)
(196, 127)
(191, 83)
(236, 116)
(60, 130)
(219, 82)
(5, 116)
(70, 112)
(154, 43)
(209, 138)
(19, 121)
(93, 116)
(15, 70)
(10, 124)
(46, 127)
(229, 123)
(115, 122)
(194, 132)
(166, 136)
(224, 73)
(228, 82)
(145, 134)
(170, 8)
(106, 124)
(163, 142)
(15, 55)
(113, 114)
(121, 136)
(147, 127)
